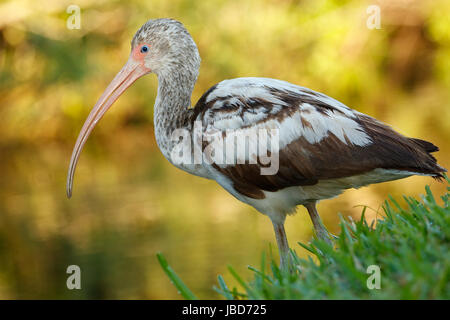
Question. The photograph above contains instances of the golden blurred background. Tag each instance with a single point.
(129, 203)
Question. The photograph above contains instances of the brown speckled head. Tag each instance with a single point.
(169, 45)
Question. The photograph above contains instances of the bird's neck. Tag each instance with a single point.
(171, 107)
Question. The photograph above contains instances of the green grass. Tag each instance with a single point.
(410, 245)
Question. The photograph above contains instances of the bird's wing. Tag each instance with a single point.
(317, 137)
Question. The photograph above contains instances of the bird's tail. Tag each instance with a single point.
(436, 170)
(427, 146)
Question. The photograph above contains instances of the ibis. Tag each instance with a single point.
(271, 144)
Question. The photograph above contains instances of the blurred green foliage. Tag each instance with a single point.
(129, 202)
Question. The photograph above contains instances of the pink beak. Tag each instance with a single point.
(132, 71)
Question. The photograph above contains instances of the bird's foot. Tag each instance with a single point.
(287, 263)
(326, 236)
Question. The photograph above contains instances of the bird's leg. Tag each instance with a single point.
(321, 232)
(283, 245)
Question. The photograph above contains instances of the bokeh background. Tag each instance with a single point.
(129, 203)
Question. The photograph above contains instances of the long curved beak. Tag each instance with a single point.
(130, 72)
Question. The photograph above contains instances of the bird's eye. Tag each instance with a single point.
(144, 49)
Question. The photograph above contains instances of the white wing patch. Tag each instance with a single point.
(250, 87)
(247, 88)
(320, 126)
(231, 112)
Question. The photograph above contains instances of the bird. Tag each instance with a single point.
(310, 146)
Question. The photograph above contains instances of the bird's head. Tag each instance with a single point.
(165, 46)
(161, 46)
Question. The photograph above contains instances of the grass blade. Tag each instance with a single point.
(175, 279)
(224, 288)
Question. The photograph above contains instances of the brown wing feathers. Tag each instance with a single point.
(395, 151)
(302, 163)
(427, 146)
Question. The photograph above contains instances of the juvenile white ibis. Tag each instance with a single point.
(320, 146)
